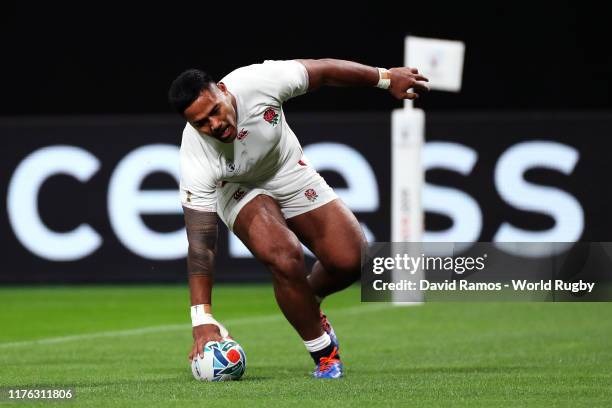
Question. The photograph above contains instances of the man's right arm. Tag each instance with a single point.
(202, 234)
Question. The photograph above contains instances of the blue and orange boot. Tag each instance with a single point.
(329, 367)
(329, 329)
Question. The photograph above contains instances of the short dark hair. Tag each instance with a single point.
(187, 87)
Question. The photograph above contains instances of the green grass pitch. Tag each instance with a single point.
(127, 346)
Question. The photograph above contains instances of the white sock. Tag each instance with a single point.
(318, 344)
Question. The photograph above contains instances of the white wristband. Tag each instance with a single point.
(200, 317)
(384, 79)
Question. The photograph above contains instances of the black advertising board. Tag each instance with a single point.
(93, 199)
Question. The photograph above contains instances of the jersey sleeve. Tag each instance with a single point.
(284, 79)
(198, 187)
(198, 198)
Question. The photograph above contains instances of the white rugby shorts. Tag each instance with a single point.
(297, 189)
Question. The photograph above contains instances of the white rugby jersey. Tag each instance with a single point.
(264, 142)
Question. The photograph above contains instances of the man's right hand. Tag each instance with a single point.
(202, 335)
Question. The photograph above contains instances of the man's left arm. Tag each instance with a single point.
(401, 82)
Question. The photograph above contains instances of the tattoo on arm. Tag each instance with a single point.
(202, 236)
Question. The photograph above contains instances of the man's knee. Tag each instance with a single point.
(285, 260)
(344, 255)
(346, 262)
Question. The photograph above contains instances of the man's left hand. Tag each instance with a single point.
(407, 83)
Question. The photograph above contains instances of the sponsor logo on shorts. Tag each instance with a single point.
(239, 194)
(302, 162)
(230, 166)
(311, 194)
(188, 196)
(242, 134)
(271, 116)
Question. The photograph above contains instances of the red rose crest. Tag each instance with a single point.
(271, 116)
(311, 194)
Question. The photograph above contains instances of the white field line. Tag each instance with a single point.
(175, 327)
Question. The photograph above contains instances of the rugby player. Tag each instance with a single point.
(240, 160)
